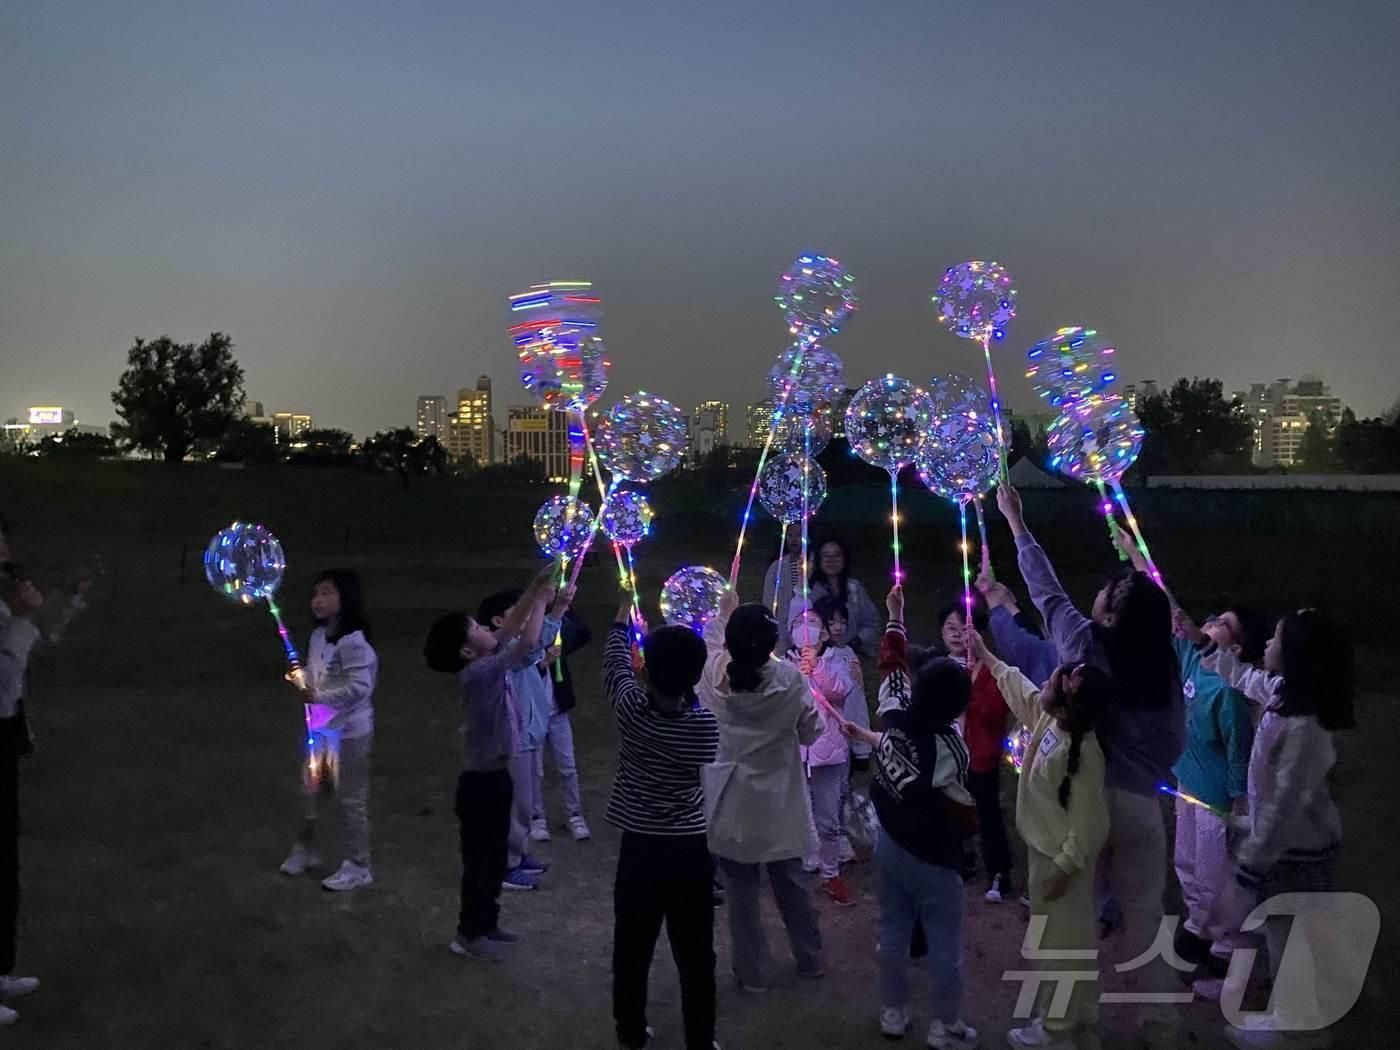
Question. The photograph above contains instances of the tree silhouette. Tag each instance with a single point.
(1192, 429)
(176, 398)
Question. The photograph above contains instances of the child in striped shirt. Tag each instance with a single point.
(663, 865)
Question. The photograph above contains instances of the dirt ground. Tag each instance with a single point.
(162, 799)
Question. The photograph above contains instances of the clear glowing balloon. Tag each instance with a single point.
(691, 597)
(1073, 365)
(555, 327)
(565, 373)
(244, 562)
(975, 300)
(816, 295)
(956, 396)
(562, 526)
(886, 422)
(641, 438)
(961, 460)
(789, 434)
(1095, 440)
(627, 517)
(780, 487)
(818, 378)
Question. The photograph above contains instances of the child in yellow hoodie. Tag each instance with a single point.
(1062, 816)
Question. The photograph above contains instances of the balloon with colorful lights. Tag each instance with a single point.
(627, 517)
(691, 597)
(976, 300)
(641, 438)
(1073, 365)
(804, 432)
(810, 375)
(555, 330)
(960, 462)
(244, 562)
(954, 396)
(1096, 440)
(782, 483)
(886, 422)
(816, 295)
(562, 526)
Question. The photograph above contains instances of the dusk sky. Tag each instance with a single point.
(352, 189)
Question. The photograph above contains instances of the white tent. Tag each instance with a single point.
(1026, 475)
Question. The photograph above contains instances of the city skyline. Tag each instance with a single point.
(1225, 210)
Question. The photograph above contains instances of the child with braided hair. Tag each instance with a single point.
(1062, 815)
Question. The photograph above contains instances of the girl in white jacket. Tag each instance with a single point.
(828, 757)
(756, 804)
(341, 670)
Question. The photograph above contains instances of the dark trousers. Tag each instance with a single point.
(9, 851)
(986, 792)
(664, 878)
(483, 810)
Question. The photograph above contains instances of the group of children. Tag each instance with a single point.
(735, 757)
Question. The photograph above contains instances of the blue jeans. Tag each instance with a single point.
(911, 890)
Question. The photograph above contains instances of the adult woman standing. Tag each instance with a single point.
(832, 575)
(756, 803)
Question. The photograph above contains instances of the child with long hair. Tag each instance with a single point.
(1063, 818)
(828, 757)
(756, 802)
(341, 670)
(1142, 733)
(1306, 689)
(926, 815)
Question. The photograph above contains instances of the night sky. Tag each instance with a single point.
(352, 189)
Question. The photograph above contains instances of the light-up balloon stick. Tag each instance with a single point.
(959, 461)
(886, 422)
(1097, 441)
(976, 300)
(815, 295)
(244, 563)
(627, 518)
(563, 363)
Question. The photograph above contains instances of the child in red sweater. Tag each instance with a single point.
(984, 731)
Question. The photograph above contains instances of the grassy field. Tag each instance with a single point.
(162, 796)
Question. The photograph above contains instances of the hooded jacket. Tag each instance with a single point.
(756, 803)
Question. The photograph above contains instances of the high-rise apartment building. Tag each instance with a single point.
(708, 427)
(1281, 413)
(471, 430)
(758, 422)
(538, 434)
(432, 417)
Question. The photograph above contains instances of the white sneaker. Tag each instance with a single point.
(955, 1036)
(539, 830)
(301, 858)
(894, 1021)
(351, 876)
(1034, 1034)
(845, 851)
(12, 987)
(993, 894)
(579, 827)
(7, 1016)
